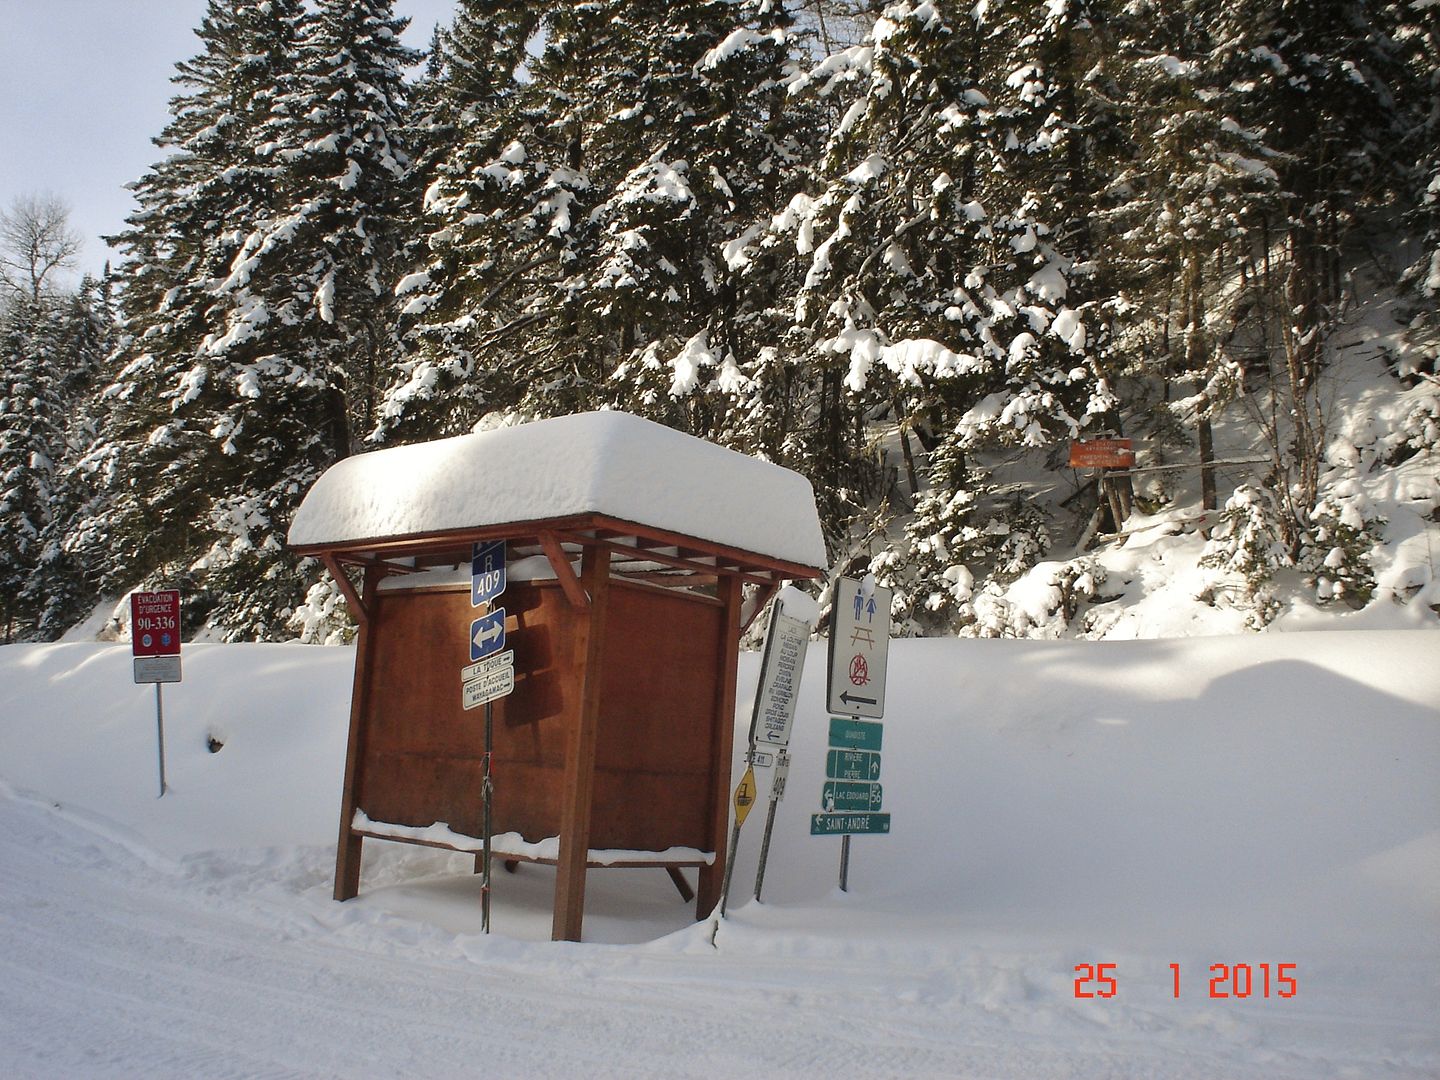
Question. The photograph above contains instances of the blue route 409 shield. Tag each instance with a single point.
(487, 572)
(487, 634)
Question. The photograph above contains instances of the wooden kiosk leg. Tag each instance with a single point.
(712, 877)
(347, 864)
(348, 848)
(681, 885)
(579, 789)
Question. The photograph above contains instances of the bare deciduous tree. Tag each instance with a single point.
(36, 240)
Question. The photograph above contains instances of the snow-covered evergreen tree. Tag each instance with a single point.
(936, 282)
(50, 348)
(1245, 551)
(31, 421)
(154, 458)
(1418, 31)
(1187, 210)
(317, 275)
(587, 213)
(492, 221)
(1317, 78)
(62, 588)
(257, 285)
(307, 332)
(1343, 535)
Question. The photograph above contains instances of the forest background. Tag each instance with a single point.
(912, 251)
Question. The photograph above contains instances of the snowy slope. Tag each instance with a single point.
(1381, 408)
(1262, 800)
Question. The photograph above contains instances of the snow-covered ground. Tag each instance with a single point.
(1259, 800)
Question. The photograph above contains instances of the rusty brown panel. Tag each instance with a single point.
(527, 800)
(649, 811)
(660, 670)
(421, 789)
(653, 754)
(422, 643)
(416, 720)
(655, 772)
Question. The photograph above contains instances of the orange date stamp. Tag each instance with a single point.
(1226, 981)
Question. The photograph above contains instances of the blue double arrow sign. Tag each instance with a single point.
(487, 634)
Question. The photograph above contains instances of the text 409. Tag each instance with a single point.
(1226, 980)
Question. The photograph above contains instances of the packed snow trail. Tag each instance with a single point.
(1242, 801)
(113, 965)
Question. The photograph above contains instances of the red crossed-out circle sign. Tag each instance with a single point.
(859, 670)
(155, 623)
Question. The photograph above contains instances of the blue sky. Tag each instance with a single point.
(85, 86)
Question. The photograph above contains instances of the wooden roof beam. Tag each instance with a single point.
(564, 571)
(347, 589)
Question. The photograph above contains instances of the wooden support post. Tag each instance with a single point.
(347, 850)
(722, 746)
(682, 886)
(359, 605)
(577, 796)
(761, 598)
(564, 572)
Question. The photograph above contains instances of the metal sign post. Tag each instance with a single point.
(859, 653)
(744, 799)
(787, 641)
(155, 648)
(490, 675)
(487, 789)
(160, 736)
(777, 792)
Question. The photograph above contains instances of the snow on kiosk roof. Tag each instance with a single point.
(605, 465)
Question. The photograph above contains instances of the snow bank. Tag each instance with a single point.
(608, 463)
(1190, 787)
(1251, 800)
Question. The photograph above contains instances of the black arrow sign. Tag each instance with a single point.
(848, 697)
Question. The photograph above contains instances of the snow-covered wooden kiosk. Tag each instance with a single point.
(629, 550)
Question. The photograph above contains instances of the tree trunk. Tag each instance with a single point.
(1206, 438)
(1197, 363)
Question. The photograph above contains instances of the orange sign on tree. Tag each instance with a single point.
(1102, 454)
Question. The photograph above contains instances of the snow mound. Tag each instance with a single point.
(1151, 806)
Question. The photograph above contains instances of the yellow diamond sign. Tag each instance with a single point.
(744, 797)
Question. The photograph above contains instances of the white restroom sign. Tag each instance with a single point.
(859, 648)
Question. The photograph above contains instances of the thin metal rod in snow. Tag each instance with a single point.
(487, 790)
(160, 736)
(777, 792)
(729, 868)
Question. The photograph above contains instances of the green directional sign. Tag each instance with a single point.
(855, 734)
(848, 824)
(853, 765)
(837, 795)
